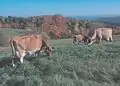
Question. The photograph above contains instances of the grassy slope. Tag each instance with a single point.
(83, 65)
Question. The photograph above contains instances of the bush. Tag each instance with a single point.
(3, 40)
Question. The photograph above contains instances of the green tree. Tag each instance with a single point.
(71, 25)
(39, 24)
(82, 25)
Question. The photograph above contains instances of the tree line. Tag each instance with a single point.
(38, 22)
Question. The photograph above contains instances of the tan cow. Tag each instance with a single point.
(100, 33)
(30, 44)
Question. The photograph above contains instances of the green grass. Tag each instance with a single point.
(83, 65)
(12, 32)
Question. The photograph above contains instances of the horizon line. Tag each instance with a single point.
(99, 15)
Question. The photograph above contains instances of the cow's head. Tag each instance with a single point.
(48, 50)
(87, 39)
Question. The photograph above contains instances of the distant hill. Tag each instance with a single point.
(107, 21)
(108, 18)
(83, 17)
(115, 21)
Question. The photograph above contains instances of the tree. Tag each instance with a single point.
(76, 26)
(71, 25)
(82, 25)
(39, 24)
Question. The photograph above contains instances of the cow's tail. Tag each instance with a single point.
(13, 51)
(12, 46)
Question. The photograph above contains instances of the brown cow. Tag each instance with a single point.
(80, 38)
(30, 44)
(77, 39)
(100, 33)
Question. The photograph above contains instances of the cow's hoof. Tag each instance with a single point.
(13, 65)
(89, 44)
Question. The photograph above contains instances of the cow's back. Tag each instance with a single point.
(106, 32)
(34, 43)
(30, 42)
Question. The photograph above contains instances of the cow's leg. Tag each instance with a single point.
(90, 42)
(100, 38)
(22, 56)
(108, 39)
(37, 53)
(13, 64)
(14, 47)
(111, 39)
(16, 55)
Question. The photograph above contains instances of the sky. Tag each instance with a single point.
(63, 7)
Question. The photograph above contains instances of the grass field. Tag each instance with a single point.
(83, 65)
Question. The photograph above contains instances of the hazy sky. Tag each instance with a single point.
(64, 7)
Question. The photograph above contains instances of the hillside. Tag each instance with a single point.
(57, 26)
(108, 20)
(114, 21)
(53, 25)
(95, 65)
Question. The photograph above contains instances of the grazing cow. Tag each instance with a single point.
(30, 44)
(99, 34)
(80, 38)
(77, 39)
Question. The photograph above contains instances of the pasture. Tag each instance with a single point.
(83, 65)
